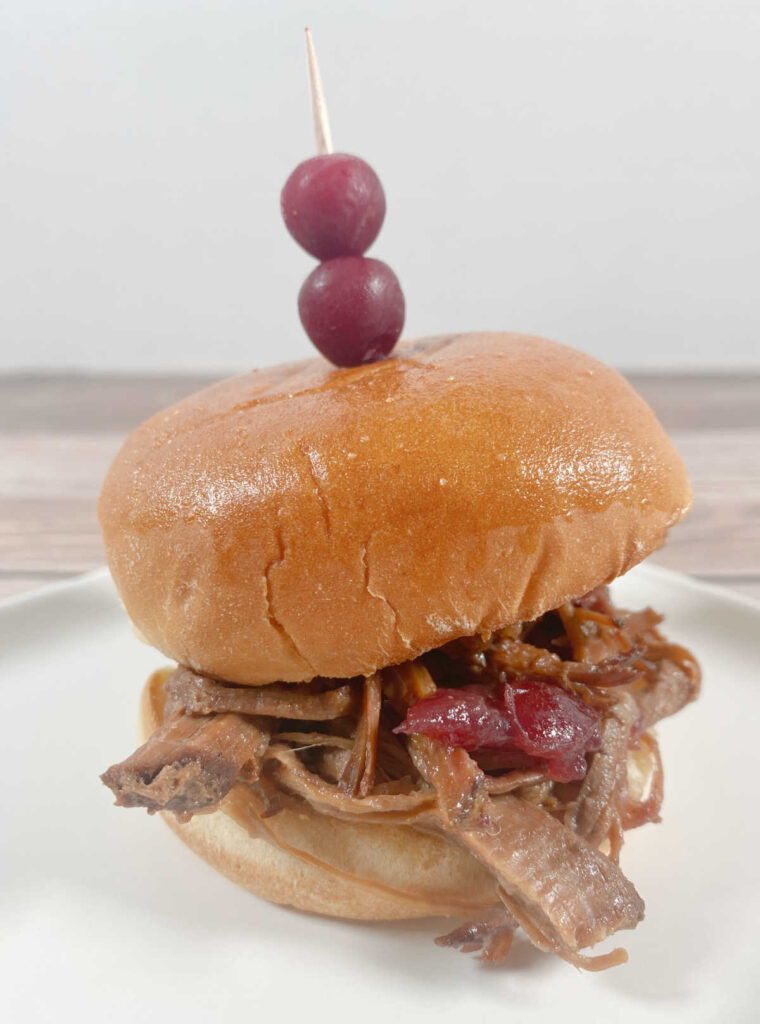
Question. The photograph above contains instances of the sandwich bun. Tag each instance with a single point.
(304, 521)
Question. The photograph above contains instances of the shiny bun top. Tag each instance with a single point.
(304, 521)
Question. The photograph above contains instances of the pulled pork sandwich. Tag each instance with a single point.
(402, 688)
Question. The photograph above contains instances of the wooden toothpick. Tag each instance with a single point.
(318, 105)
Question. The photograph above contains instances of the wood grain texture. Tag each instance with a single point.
(77, 402)
(59, 433)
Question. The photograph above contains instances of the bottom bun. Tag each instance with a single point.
(318, 863)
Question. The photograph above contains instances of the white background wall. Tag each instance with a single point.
(585, 169)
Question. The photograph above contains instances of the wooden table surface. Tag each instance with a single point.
(59, 433)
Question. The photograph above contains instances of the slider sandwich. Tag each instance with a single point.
(402, 688)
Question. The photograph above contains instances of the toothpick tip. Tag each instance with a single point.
(318, 105)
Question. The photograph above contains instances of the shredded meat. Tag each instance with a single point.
(405, 684)
(351, 749)
(545, 937)
(594, 813)
(565, 887)
(592, 633)
(519, 659)
(295, 777)
(359, 773)
(459, 783)
(637, 806)
(674, 683)
(512, 780)
(490, 934)
(190, 763)
(198, 695)
(310, 740)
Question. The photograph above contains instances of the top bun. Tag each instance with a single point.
(304, 521)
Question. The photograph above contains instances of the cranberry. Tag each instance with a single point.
(553, 725)
(352, 308)
(471, 717)
(333, 205)
(523, 718)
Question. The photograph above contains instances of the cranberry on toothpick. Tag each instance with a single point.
(333, 205)
(351, 306)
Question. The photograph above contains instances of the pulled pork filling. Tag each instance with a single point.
(523, 747)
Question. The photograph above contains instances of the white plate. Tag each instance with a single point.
(105, 916)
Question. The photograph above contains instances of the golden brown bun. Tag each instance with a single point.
(380, 872)
(304, 521)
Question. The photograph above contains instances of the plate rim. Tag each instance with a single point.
(79, 579)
